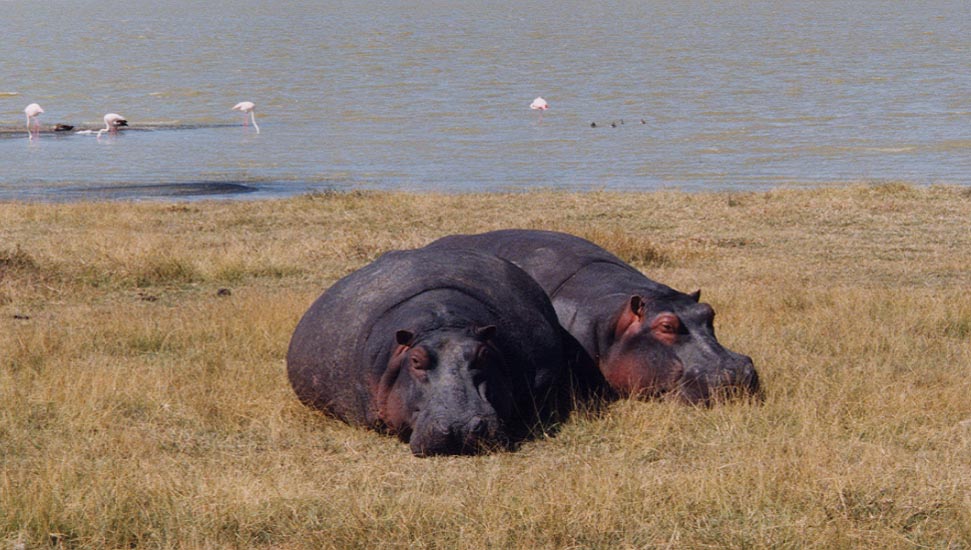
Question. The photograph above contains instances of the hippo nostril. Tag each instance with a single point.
(481, 434)
(478, 427)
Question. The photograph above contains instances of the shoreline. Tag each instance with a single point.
(246, 190)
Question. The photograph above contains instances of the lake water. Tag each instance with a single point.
(431, 95)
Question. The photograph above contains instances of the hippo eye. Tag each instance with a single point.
(667, 324)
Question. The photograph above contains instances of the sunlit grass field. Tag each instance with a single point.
(144, 401)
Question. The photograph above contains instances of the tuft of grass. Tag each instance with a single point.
(17, 269)
(165, 270)
(140, 407)
(16, 262)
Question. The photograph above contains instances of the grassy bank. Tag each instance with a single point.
(143, 398)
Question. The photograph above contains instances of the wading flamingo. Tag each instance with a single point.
(539, 104)
(248, 107)
(113, 121)
(32, 111)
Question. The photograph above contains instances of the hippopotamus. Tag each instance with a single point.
(455, 352)
(646, 338)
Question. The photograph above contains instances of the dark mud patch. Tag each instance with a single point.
(160, 190)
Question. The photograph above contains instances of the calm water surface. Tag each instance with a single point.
(434, 95)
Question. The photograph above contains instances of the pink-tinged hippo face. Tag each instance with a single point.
(669, 347)
(435, 392)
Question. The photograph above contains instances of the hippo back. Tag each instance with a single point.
(645, 337)
(335, 355)
(553, 258)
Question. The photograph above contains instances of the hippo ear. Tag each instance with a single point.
(696, 295)
(633, 313)
(404, 337)
(486, 333)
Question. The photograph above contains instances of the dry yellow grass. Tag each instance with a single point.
(138, 408)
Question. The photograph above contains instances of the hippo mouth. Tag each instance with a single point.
(706, 388)
(479, 435)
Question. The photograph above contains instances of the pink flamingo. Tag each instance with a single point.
(539, 104)
(247, 107)
(112, 122)
(33, 111)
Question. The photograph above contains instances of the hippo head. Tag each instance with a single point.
(669, 345)
(433, 393)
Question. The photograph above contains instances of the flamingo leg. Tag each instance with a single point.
(35, 129)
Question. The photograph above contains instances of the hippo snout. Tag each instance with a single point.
(730, 378)
(747, 378)
(739, 376)
(480, 433)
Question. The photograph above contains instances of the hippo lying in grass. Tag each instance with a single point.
(646, 338)
(455, 352)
